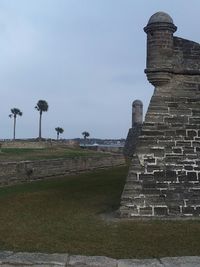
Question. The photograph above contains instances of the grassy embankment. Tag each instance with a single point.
(17, 154)
(63, 215)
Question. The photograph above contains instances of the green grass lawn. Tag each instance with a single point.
(17, 154)
(63, 215)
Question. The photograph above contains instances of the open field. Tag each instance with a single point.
(63, 215)
(17, 154)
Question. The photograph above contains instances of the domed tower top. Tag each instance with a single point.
(160, 20)
(160, 17)
(137, 102)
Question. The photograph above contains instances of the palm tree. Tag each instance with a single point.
(85, 135)
(14, 113)
(42, 106)
(59, 130)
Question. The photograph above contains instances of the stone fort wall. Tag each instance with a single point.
(164, 176)
(26, 171)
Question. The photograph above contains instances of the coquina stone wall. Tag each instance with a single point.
(164, 177)
(25, 171)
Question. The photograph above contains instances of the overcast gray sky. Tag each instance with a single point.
(86, 58)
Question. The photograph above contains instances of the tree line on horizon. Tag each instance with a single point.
(41, 106)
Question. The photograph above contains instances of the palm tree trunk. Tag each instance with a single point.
(40, 126)
(57, 135)
(84, 141)
(14, 128)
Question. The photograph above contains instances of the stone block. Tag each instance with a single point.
(139, 263)
(193, 120)
(171, 159)
(184, 143)
(4, 255)
(197, 211)
(92, 261)
(192, 176)
(159, 176)
(176, 119)
(190, 261)
(149, 161)
(139, 201)
(145, 211)
(170, 175)
(23, 258)
(174, 210)
(188, 167)
(192, 133)
(177, 150)
(160, 211)
(162, 126)
(173, 105)
(181, 132)
(188, 211)
(162, 185)
(149, 184)
(152, 133)
(146, 177)
(158, 152)
(196, 113)
(170, 133)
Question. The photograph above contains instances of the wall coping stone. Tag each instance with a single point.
(9, 259)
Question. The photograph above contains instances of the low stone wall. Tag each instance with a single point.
(24, 171)
(39, 144)
(9, 259)
(21, 144)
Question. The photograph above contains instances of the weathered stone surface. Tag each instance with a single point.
(166, 158)
(181, 262)
(131, 140)
(4, 255)
(38, 259)
(10, 259)
(139, 263)
(92, 261)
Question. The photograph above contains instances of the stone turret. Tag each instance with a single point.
(137, 112)
(160, 29)
(134, 132)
